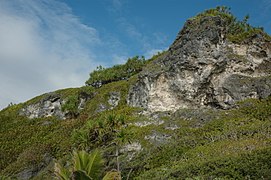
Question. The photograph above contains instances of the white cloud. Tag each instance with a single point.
(43, 47)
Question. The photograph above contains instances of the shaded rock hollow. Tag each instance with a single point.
(204, 68)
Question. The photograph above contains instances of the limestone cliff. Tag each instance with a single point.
(204, 67)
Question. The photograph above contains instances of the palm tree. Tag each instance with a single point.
(90, 164)
(85, 167)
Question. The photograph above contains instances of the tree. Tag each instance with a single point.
(104, 132)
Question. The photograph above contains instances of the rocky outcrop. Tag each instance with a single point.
(51, 105)
(203, 68)
(48, 106)
(114, 98)
(113, 101)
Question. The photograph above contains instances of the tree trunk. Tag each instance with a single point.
(117, 157)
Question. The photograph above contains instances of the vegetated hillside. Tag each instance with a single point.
(201, 110)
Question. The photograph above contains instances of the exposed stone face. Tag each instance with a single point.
(51, 105)
(157, 138)
(48, 106)
(114, 98)
(203, 68)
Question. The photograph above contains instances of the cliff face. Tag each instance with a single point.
(204, 68)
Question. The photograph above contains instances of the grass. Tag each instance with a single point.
(24, 142)
(225, 146)
(235, 146)
(229, 144)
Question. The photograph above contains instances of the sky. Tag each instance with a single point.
(47, 45)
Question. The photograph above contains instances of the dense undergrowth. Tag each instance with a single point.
(231, 144)
(25, 142)
(103, 75)
(133, 66)
(29, 143)
(236, 145)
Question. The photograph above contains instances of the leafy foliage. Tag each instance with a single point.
(90, 163)
(25, 143)
(103, 75)
(256, 108)
(61, 172)
(234, 145)
(71, 106)
(101, 131)
(5, 178)
(85, 166)
(112, 175)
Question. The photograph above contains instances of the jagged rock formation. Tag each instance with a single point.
(51, 105)
(204, 68)
(114, 99)
(48, 106)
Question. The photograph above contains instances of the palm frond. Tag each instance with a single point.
(91, 164)
(81, 175)
(112, 175)
(61, 173)
(95, 164)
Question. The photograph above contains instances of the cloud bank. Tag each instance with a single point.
(43, 47)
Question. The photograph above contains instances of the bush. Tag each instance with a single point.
(100, 132)
(103, 75)
(71, 106)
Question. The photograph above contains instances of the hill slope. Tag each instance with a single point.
(200, 110)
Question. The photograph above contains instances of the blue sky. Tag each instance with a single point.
(145, 25)
(50, 44)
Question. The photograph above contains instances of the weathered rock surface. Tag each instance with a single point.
(51, 105)
(203, 68)
(158, 138)
(114, 99)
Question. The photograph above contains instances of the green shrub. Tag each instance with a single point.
(100, 131)
(260, 109)
(103, 75)
(71, 106)
(87, 166)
